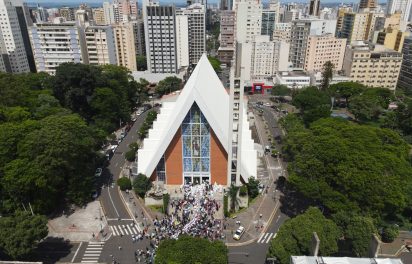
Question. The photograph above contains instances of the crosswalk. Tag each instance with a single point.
(124, 230)
(266, 237)
(92, 253)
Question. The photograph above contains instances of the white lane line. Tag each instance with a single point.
(77, 251)
(116, 232)
(89, 261)
(130, 230)
(275, 235)
(110, 196)
(269, 237)
(112, 229)
(264, 238)
(125, 230)
(135, 230)
(121, 230)
(96, 243)
(261, 236)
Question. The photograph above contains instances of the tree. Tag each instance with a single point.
(327, 75)
(141, 62)
(295, 236)
(131, 154)
(280, 90)
(215, 63)
(20, 234)
(253, 187)
(312, 103)
(54, 164)
(350, 167)
(390, 233)
(369, 105)
(357, 230)
(141, 185)
(234, 200)
(346, 90)
(124, 183)
(168, 85)
(186, 250)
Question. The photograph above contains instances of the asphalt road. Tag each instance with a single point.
(109, 196)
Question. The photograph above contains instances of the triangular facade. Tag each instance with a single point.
(203, 93)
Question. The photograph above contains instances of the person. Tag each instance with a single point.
(120, 248)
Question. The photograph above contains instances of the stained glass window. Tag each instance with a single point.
(196, 145)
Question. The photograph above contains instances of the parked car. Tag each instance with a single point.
(98, 172)
(94, 194)
(239, 232)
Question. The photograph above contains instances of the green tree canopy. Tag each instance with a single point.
(327, 74)
(295, 235)
(141, 184)
(189, 249)
(280, 90)
(168, 85)
(20, 234)
(351, 167)
(215, 63)
(141, 62)
(312, 103)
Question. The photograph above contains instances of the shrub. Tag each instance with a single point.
(141, 185)
(225, 205)
(389, 234)
(253, 188)
(243, 190)
(124, 183)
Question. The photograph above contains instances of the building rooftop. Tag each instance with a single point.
(293, 74)
(342, 260)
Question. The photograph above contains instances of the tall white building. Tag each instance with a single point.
(57, 43)
(182, 41)
(196, 18)
(13, 38)
(110, 13)
(248, 19)
(159, 26)
(101, 45)
(403, 6)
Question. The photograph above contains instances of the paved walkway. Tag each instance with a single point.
(263, 209)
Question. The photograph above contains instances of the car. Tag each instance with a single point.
(239, 232)
(94, 194)
(98, 172)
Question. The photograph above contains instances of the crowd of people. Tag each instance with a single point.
(193, 215)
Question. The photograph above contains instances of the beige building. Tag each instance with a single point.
(392, 38)
(98, 16)
(282, 32)
(323, 48)
(358, 26)
(340, 15)
(227, 36)
(101, 45)
(374, 66)
(125, 45)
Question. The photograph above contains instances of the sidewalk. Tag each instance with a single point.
(257, 216)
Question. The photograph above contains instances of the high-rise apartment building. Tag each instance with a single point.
(138, 29)
(323, 48)
(300, 32)
(358, 26)
(269, 20)
(98, 16)
(100, 45)
(400, 6)
(282, 32)
(371, 4)
(182, 41)
(339, 17)
(10, 25)
(196, 18)
(57, 43)
(41, 14)
(227, 36)
(67, 13)
(125, 45)
(248, 19)
(374, 66)
(111, 14)
(160, 36)
(405, 76)
(4, 56)
(314, 7)
(391, 38)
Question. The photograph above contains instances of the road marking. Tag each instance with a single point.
(261, 236)
(110, 196)
(92, 253)
(125, 230)
(277, 219)
(269, 237)
(130, 230)
(121, 231)
(77, 251)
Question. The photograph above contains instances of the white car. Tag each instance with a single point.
(98, 172)
(239, 232)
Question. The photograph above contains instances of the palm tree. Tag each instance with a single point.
(234, 200)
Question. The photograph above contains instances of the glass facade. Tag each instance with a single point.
(196, 147)
(161, 169)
